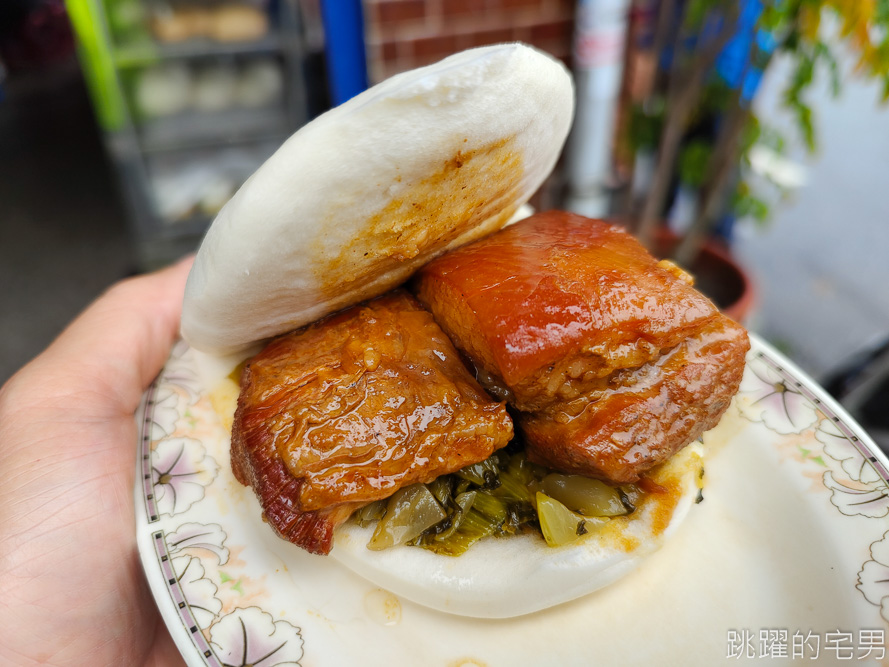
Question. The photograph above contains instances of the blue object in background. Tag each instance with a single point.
(344, 48)
(733, 65)
(737, 66)
(734, 62)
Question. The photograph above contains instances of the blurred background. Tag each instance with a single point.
(747, 140)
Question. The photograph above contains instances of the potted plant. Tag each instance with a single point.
(693, 133)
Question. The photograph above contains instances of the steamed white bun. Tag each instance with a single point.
(355, 201)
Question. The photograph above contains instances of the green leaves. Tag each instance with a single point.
(798, 26)
(746, 204)
(825, 55)
(696, 11)
(693, 162)
(808, 57)
(807, 33)
(803, 114)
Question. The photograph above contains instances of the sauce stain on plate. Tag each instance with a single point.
(383, 607)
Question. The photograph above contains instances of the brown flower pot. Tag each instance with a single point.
(718, 275)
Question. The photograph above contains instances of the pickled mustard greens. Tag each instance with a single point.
(409, 512)
(559, 524)
(500, 496)
(590, 497)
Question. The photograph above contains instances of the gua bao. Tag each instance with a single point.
(364, 404)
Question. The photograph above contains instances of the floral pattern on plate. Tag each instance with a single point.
(181, 470)
(774, 399)
(858, 487)
(225, 607)
(192, 554)
(252, 637)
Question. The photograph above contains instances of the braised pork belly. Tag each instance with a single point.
(350, 409)
(649, 414)
(613, 360)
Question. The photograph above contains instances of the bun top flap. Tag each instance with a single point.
(358, 199)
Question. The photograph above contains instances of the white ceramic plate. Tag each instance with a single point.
(786, 561)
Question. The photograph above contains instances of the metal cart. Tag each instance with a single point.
(190, 108)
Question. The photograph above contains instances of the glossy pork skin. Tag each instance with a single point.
(649, 413)
(612, 359)
(352, 408)
(550, 307)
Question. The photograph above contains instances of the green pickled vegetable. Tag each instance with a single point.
(409, 512)
(631, 496)
(512, 488)
(559, 525)
(523, 470)
(499, 496)
(445, 529)
(370, 513)
(474, 527)
(484, 473)
(590, 497)
(518, 515)
(492, 507)
(441, 489)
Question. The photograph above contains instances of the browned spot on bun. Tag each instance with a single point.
(666, 486)
(663, 504)
(615, 535)
(472, 194)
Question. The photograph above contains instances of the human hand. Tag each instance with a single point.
(73, 588)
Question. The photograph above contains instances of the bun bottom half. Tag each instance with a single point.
(503, 577)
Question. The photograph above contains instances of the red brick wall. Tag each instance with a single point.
(402, 34)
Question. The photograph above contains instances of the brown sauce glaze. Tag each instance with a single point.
(649, 414)
(472, 193)
(356, 406)
(612, 359)
(551, 305)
